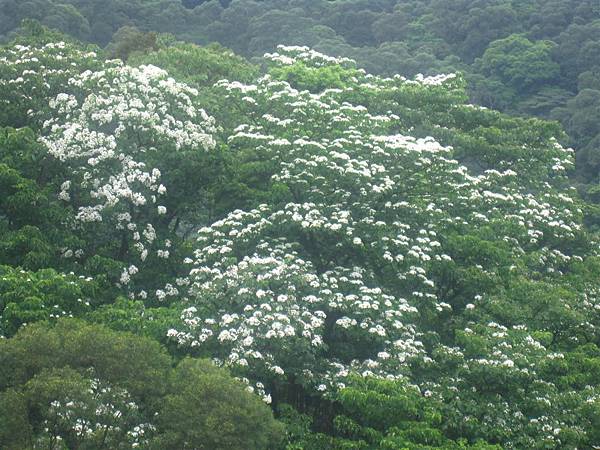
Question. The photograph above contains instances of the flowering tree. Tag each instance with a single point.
(381, 240)
(67, 386)
(33, 72)
(28, 297)
(116, 131)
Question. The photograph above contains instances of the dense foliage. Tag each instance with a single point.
(384, 263)
(530, 57)
(68, 387)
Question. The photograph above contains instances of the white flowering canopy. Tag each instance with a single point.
(388, 193)
(30, 74)
(111, 130)
(345, 276)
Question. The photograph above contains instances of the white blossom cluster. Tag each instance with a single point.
(33, 73)
(107, 131)
(102, 413)
(265, 305)
(289, 54)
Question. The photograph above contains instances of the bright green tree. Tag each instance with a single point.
(67, 386)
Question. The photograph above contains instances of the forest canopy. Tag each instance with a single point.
(525, 57)
(320, 247)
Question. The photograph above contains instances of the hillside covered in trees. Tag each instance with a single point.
(524, 57)
(203, 251)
